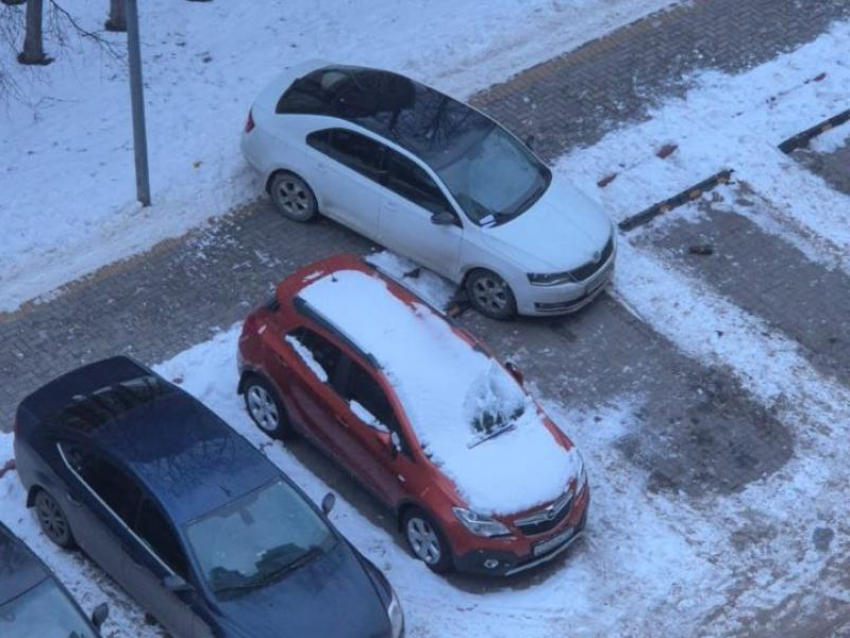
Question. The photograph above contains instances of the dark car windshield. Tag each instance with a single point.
(43, 611)
(256, 539)
(492, 176)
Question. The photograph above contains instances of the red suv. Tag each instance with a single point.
(420, 413)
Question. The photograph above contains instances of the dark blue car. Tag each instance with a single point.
(33, 603)
(199, 527)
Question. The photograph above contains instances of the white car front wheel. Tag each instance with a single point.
(490, 294)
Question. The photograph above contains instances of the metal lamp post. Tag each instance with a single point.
(140, 142)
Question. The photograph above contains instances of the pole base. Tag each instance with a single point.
(42, 60)
(115, 26)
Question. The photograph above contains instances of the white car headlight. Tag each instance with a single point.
(395, 615)
(549, 279)
(479, 524)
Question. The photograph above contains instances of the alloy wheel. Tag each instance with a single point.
(293, 198)
(52, 519)
(492, 293)
(263, 408)
(424, 541)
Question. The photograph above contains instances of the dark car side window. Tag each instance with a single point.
(113, 486)
(154, 530)
(356, 151)
(326, 354)
(363, 388)
(410, 181)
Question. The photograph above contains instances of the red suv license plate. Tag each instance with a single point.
(549, 544)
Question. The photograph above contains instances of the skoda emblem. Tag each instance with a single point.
(596, 256)
(550, 513)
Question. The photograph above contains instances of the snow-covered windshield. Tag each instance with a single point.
(43, 612)
(494, 178)
(493, 404)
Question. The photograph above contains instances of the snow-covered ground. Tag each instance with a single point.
(69, 204)
(617, 570)
(651, 564)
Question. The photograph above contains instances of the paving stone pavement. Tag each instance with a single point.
(766, 276)
(833, 167)
(156, 304)
(180, 293)
(574, 99)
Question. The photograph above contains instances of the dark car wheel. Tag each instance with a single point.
(293, 197)
(53, 521)
(490, 294)
(265, 408)
(426, 541)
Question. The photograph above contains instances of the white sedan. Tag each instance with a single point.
(431, 179)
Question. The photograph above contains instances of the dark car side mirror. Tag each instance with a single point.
(175, 583)
(516, 373)
(99, 615)
(443, 218)
(328, 503)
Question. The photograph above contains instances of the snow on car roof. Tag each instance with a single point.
(471, 417)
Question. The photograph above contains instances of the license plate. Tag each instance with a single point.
(551, 543)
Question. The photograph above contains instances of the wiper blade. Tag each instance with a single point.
(302, 560)
(491, 435)
(271, 576)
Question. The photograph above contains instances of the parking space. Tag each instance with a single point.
(699, 431)
(830, 160)
(762, 273)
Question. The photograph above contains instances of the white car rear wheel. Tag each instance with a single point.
(293, 197)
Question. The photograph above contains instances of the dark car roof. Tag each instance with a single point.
(420, 119)
(52, 398)
(188, 459)
(20, 570)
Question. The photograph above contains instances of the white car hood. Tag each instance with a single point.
(561, 231)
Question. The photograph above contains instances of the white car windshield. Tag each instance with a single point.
(252, 541)
(493, 177)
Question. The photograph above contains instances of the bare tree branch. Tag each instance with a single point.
(98, 39)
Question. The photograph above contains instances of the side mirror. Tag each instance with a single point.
(444, 218)
(328, 503)
(175, 583)
(516, 373)
(99, 615)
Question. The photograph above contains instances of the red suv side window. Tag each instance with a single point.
(361, 387)
(326, 354)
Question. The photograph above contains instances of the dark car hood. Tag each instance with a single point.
(331, 596)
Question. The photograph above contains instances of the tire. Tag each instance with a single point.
(53, 522)
(293, 197)
(490, 295)
(265, 408)
(426, 541)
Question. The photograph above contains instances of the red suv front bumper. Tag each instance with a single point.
(509, 556)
